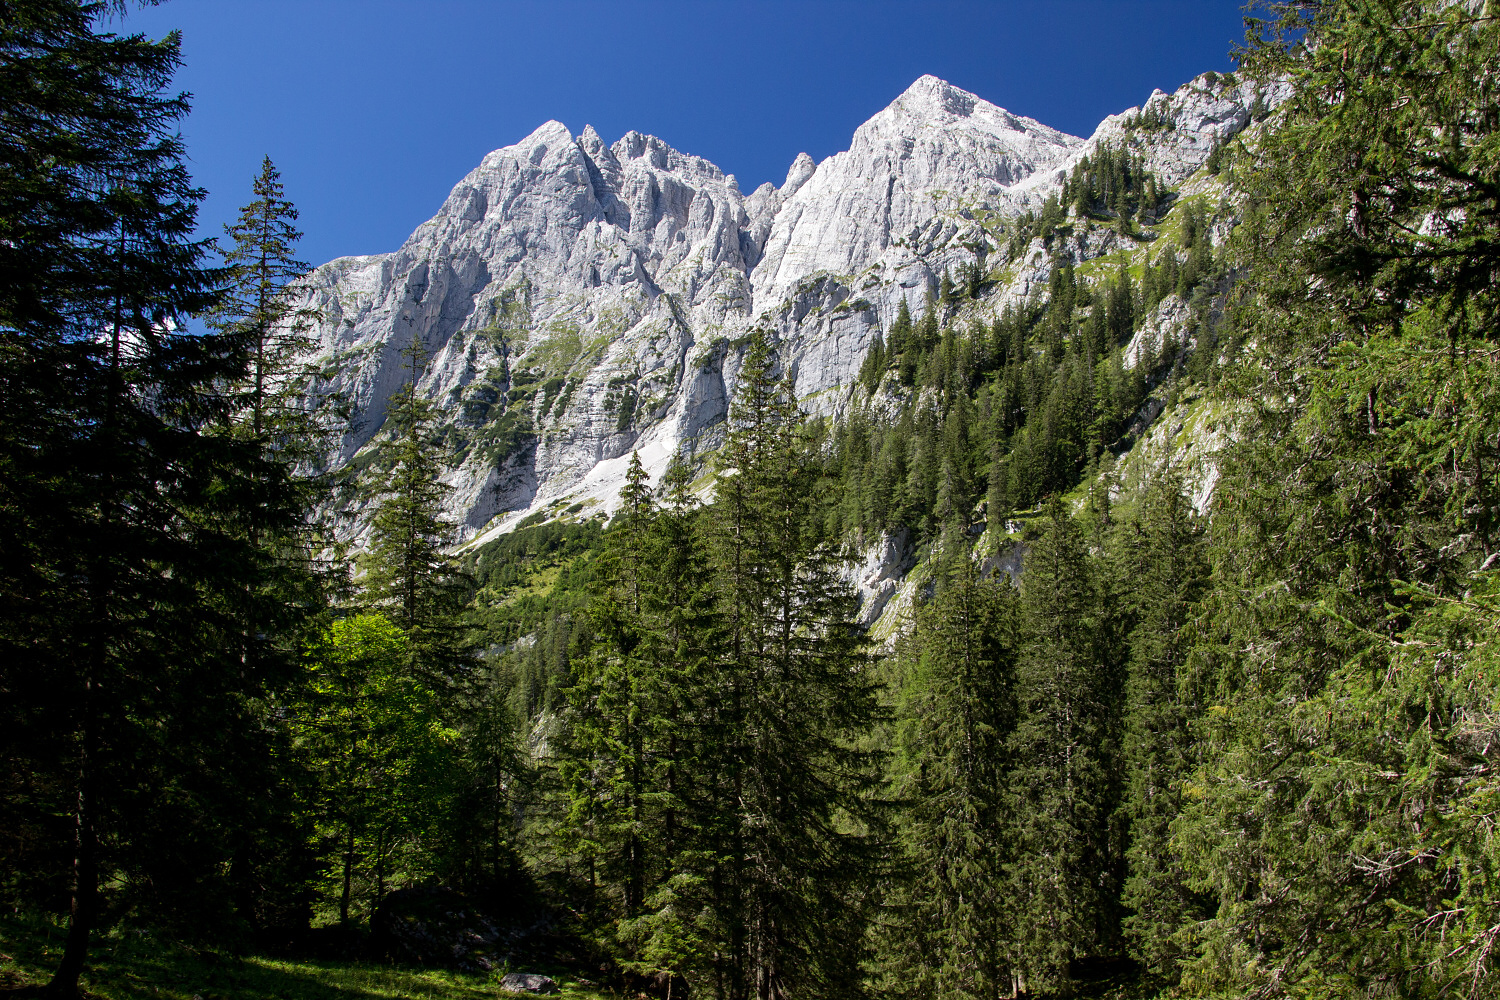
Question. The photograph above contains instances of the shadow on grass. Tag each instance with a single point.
(135, 965)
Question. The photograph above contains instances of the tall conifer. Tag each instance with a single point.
(955, 925)
(126, 555)
(1064, 748)
(407, 566)
(1165, 563)
(797, 695)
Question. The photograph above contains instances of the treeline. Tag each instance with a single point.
(717, 795)
(1111, 184)
(1040, 747)
(732, 810)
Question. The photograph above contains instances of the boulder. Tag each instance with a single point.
(527, 982)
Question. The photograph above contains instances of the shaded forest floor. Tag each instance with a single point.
(128, 964)
(137, 965)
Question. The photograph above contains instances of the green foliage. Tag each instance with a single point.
(138, 646)
(1338, 745)
(256, 311)
(407, 567)
(795, 697)
(1114, 183)
(1066, 750)
(374, 734)
(949, 929)
(1251, 751)
(1015, 412)
(1161, 549)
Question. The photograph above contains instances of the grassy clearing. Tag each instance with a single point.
(137, 965)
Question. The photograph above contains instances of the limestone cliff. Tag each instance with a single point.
(580, 300)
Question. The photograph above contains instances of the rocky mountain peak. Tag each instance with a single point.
(933, 103)
(933, 151)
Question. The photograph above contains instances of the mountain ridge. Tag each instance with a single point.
(580, 301)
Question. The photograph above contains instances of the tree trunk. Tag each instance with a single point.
(83, 910)
(348, 876)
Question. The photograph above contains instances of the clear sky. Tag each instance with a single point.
(374, 109)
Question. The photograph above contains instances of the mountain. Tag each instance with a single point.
(580, 301)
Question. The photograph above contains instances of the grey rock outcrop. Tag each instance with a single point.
(879, 573)
(527, 982)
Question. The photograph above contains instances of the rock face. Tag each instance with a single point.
(879, 573)
(933, 154)
(578, 301)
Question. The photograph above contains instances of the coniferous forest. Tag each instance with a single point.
(1236, 744)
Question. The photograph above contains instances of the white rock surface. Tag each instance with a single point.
(935, 149)
(1201, 114)
(580, 300)
(879, 573)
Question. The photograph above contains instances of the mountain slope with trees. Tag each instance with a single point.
(1157, 711)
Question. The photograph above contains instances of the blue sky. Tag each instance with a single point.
(374, 109)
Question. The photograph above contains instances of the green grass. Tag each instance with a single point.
(129, 964)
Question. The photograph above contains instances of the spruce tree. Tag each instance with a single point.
(127, 555)
(900, 333)
(676, 931)
(955, 926)
(258, 310)
(1064, 749)
(606, 766)
(407, 567)
(1352, 508)
(1163, 572)
(795, 696)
